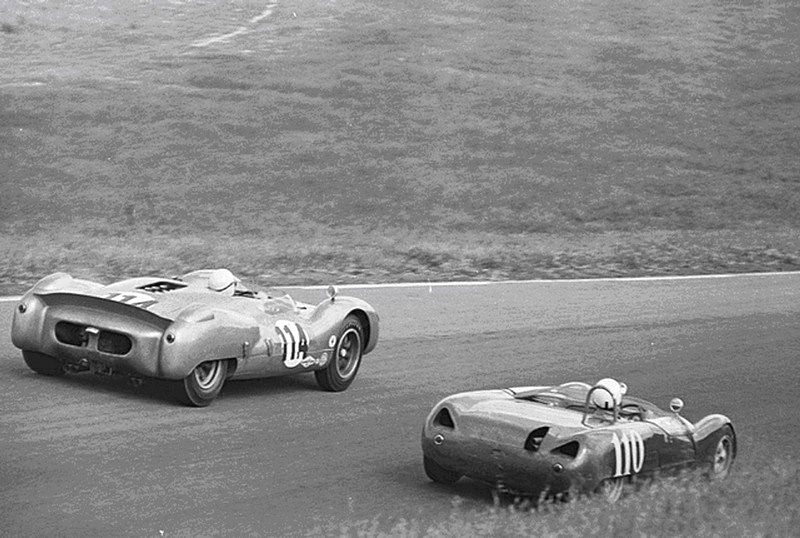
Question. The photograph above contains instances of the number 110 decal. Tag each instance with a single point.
(628, 453)
(295, 342)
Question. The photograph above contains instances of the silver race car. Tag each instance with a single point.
(197, 330)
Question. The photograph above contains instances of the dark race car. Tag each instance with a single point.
(198, 330)
(555, 440)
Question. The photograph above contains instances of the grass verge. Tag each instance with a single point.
(756, 501)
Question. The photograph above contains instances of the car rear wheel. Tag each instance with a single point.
(43, 364)
(611, 489)
(439, 474)
(204, 383)
(723, 455)
(343, 366)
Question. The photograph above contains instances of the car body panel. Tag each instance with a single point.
(165, 327)
(549, 440)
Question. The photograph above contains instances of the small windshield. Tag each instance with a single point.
(565, 395)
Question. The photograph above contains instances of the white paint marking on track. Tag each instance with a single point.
(239, 31)
(467, 283)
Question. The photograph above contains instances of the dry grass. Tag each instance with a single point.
(754, 501)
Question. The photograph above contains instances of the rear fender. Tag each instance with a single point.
(621, 452)
(49, 301)
(63, 282)
(203, 334)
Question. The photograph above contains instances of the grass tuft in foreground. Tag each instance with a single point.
(754, 501)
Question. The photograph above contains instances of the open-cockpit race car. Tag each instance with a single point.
(197, 330)
(548, 441)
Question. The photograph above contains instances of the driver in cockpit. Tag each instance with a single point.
(608, 393)
(222, 281)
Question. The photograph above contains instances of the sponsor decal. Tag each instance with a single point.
(295, 342)
(134, 299)
(628, 453)
(308, 362)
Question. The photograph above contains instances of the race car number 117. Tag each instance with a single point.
(295, 342)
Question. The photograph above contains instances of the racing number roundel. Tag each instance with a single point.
(628, 453)
(295, 342)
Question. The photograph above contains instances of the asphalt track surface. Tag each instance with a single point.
(90, 456)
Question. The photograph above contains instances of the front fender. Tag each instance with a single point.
(335, 310)
(707, 432)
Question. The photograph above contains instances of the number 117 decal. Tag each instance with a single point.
(295, 342)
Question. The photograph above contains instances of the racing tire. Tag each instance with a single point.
(345, 358)
(439, 474)
(43, 364)
(203, 384)
(723, 454)
(611, 489)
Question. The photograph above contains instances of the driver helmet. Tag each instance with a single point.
(222, 281)
(608, 393)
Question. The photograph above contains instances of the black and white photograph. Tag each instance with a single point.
(399, 268)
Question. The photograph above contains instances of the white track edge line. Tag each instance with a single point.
(467, 283)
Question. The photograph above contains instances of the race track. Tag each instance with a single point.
(88, 456)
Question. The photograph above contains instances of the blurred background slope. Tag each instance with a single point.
(304, 141)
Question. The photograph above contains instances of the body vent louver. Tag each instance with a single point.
(111, 342)
(161, 287)
(114, 343)
(443, 418)
(534, 440)
(71, 334)
(568, 449)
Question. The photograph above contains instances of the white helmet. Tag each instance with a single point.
(223, 281)
(608, 393)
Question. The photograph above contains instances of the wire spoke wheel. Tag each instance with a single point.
(611, 489)
(346, 359)
(723, 455)
(207, 374)
(349, 353)
(204, 383)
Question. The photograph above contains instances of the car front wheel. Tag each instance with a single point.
(346, 358)
(724, 452)
(611, 489)
(204, 383)
(43, 364)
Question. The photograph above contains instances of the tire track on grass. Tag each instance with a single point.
(241, 30)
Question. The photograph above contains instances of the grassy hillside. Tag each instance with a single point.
(305, 141)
